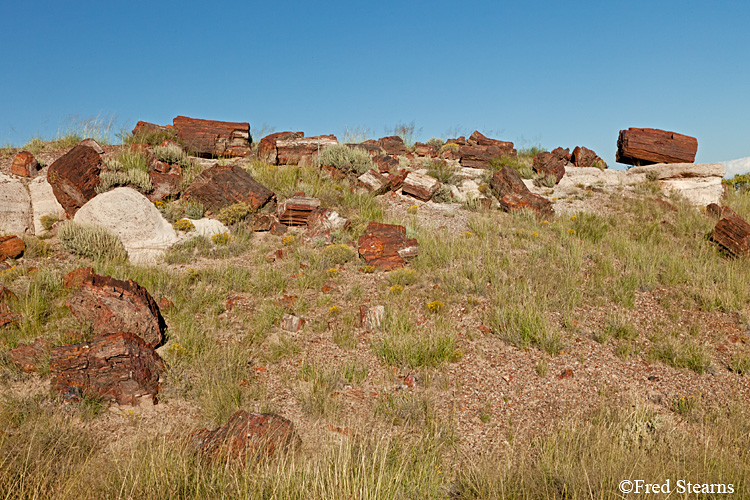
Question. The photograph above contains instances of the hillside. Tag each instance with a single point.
(519, 354)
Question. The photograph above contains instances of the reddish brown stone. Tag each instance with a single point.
(212, 138)
(263, 222)
(74, 177)
(295, 211)
(287, 301)
(552, 163)
(461, 141)
(291, 323)
(420, 186)
(478, 139)
(165, 304)
(646, 146)
(278, 228)
(115, 305)
(145, 127)
(450, 154)
(386, 246)
(717, 211)
(25, 165)
(333, 172)
(27, 357)
(427, 150)
(247, 436)
(396, 179)
(513, 194)
(479, 156)
(11, 247)
(584, 157)
(732, 233)
(373, 182)
(166, 186)
(302, 149)
(393, 145)
(74, 279)
(221, 186)
(385, 163)
(267, 146)
(117, 367)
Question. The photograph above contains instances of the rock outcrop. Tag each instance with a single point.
(296, 150)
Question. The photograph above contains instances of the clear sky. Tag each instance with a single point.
(548, 73)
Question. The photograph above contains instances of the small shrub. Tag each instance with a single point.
(652, 175)
(221, 238)
(150, 136)
(441, 171)
(48, 221)
(546, 181)
(172, 154)
(91, 241)
(589, 226)
(412, 210)
(434, 141)
(682, 355)
(194, 210)
(184, 225)
(435, 306)
(138, 179)
(234, 213)
(402, 277)
(338, 254)
(348, 160)
(684, 405)
(524, 327)
(443, 194)
(448, 147)
(36, 248)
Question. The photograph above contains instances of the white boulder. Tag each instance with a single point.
(43, 202)
(15, 206)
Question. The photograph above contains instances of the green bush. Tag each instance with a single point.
(48, 221)
(347, 160)
(234, 213)
(94, 242)
(434, 141)
(338, 254)
(194, 210)
(172, 154)
(443, 194)
(138, 179)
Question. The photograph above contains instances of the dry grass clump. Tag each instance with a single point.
(127, 169)
(349, 160)
(94, 242)
(234, 213)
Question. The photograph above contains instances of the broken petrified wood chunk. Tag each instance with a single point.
(292, 323)
(295, 211)
(291, 151)
(732, 233)
(371, 317)
(11, 247)
(584, 157)
(393, 145)
(420, 186)
(114, 305)
(644, 146)
(74, 279)
(145, 127)
(386, 246)
(28, 357)
(513, 195)
(267, 146)
(25, 165)
(74, 177)
(221, 186)
(247, 435)
(211, 138)
(117, 367)
(373, 182)
(552, 163)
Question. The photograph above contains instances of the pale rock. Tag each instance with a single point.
(144, 233)
(15, 206)
(208, 227)
(43, 202)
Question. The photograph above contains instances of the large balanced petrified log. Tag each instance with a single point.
(74, 177)
(644, 146)
(732, 233)
(221, 186)
(213, 138)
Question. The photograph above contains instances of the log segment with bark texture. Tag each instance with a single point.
(246, 435)
(585, 157)
(145, 127)
(373, 182)
(552, 163)
(11, 247)
(117, 367)
(386, 246)
(393, 145)
(115, 305)
(25, 165)
(420, 186)
(74, 177)
(513, 195)
(221, 186)
(267, 146)
(28, 357)
(732, 233)
(644, 146)
(291, 151)
(295, 211)
(212, 138)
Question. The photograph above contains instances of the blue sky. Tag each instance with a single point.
(547, 73)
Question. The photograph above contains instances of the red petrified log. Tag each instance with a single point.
(220, 186)
(27, 357)
(393, 145)
(584, 157)
(420, 186)
(25, 165)
(117, 367)
(213, 138)
(513, 194)
(115, 305)
(552, 163)
(732, 233)
(267, 146)
(373, 182)
(386, 246)
(645, 146)
(74, 177)
(292, 151)
(247, 435)
(11, 247)
(295, 211)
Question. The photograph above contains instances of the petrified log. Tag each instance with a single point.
(323, 221)
(396, 179)
(393, 145)
(11, 247)
(479, 156)
(263, 222)
(420, 186)
(427, 150)
(74, 177)
(114, 305)
(552, 163)
(166, 186)
(373, 182)
(267, 146)
(74, 279)
(479, 139)
(144, 127)
(295, 211)
(211, 138)
(513, 195)
(221, 186)
(117, 367)
(385, 163)
(584, 157)
(292, 323)
(644, 146)
(25, 165)
(294, 150)
(246, 435)
(732, 233)
(386, 246)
